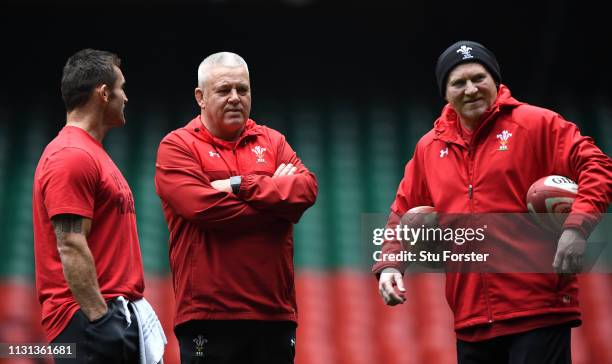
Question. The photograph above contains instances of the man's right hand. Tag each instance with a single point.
(389, 279)
(96, 313)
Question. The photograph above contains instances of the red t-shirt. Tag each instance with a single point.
(76, 176)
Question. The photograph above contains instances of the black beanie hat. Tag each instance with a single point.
(465, 51)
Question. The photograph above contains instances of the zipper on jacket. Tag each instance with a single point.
(471, 153)
(240, 143)
(236, 159)
(470, 171)
(485, 283)
(229, 169)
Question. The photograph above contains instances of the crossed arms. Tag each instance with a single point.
(182, 184)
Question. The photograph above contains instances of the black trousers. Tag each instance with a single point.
(547, 345)
(236, 342)
(106, 340)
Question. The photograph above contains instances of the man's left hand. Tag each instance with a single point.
(285, 170)
(570, 250)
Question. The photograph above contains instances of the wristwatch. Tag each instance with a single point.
(235, 182)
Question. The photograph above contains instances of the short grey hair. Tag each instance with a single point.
(220, 59)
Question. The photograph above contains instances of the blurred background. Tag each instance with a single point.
(351, 85)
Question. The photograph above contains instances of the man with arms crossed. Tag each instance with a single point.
(231, 191)
(88, 261)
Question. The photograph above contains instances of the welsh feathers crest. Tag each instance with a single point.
(503, 139)
(199, 342)
(465, 50)
(259, 153)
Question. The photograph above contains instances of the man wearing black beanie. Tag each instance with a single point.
(482, 155)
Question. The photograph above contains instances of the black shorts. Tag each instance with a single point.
(106, 340)
(236, 342)
(546, 345)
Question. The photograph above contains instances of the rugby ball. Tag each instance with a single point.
(420, 215)
(418, 218)
(549, 201)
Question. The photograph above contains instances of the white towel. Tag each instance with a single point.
(151, 335)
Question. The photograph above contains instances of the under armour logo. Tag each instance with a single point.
(292, 341)
(443, 152)
(214, 154)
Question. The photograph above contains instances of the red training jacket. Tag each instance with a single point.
(231, 255)
(489, 176)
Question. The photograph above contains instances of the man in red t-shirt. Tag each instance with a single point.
(88, 262)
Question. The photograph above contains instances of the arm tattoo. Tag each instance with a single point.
(67, 224)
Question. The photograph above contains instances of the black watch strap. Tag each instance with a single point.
(235, 182)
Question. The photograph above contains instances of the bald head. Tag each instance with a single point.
(221, 59)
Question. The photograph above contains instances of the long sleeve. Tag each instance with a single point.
(181, 183)
(579, 158)
(287, 196)
(412, 192)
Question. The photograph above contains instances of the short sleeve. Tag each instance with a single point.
(68, 180)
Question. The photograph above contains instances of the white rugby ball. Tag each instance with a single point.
(550, 199)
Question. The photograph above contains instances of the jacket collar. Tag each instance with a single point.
(196, 128)
(446, 127)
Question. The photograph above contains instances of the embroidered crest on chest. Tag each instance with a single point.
(259, 153)
(503, 137)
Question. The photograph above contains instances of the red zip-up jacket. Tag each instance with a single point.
(231, 255)
(487, 178)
